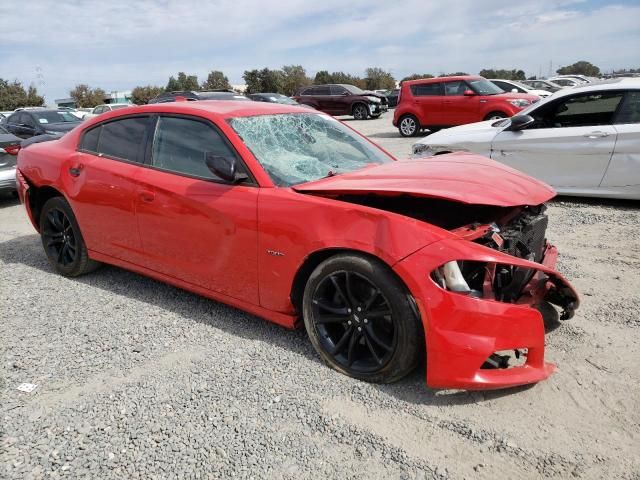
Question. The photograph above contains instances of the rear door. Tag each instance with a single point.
(428, 99)
(624, 168)
(322, 95)
(102, 185)
(340, 100)
(571, 143)
(194, 226)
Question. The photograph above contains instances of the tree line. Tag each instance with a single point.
(286, 80)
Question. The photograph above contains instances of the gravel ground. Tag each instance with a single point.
(137, 379)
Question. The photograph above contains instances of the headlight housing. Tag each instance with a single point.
(519, 102)
(422, 150)
(373, 99)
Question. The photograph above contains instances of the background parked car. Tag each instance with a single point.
(107, 107)
(566, 82)
(440, 102)
(517, 87)
(74, 111)
(203, 95)
(9, 147)
(343, 99)
(272, 98)
(547, 85)
(582, 141)
(29, 123)
(392, 96)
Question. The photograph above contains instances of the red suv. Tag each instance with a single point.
(447, 101)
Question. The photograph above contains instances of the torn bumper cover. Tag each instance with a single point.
(468, 330)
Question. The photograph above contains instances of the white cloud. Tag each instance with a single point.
(118, 44)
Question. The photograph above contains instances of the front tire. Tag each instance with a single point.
(360, 111)
(408, 126)
(360, 320)
(62, 240)
(495, 116)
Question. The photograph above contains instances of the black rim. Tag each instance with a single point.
(360, 112)
(59, 237)
(354, 322)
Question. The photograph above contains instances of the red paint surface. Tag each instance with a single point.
(213, 239)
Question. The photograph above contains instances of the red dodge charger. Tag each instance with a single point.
(294, 217)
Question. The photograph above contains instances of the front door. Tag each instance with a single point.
(459, 108)
(195, 227)
(571, 143)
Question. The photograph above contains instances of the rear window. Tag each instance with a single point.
(123, 138)
(89, 141)
(427, 89)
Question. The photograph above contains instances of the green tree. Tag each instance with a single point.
(378, 79)
(503, 74)
(454, 74)
(322, 77)
(13, 95)
(416, 76)
(293, 78)
(216, 80)
(84, 96)
(183, 82)
(580, 68)
(142, 95)
(265, 80)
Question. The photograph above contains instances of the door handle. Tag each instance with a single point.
(147, 196)
(75, 171)
(596, 135)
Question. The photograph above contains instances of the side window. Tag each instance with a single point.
(504, 86)
(456, 88)
(324, 90)
(14, 119)
(309, 91)
(427, 89)
(337, 90)
(181, 145)
(630, 110)
(124, 138)
(90, 139)
(582, 110)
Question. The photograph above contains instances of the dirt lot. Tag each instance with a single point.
(137, 379)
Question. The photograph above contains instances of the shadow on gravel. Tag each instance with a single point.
(582, 202)
(27, 250)
(8, 200)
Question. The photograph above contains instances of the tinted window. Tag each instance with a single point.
(14, 119)
(337, 90)
(90, 140)
(578, 111)
(123, 138)
(630, 110)
(427, 89)
(181, 145)
(325, 90)
(308, 91)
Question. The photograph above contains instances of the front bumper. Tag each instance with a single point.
(8, 180)
(377, 108)
(462, 332)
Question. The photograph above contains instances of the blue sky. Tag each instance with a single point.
(119, 44)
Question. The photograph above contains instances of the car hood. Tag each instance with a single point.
(480, 131)
(461, 177)
(60, 127)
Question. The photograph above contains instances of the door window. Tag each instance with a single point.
(630, 110)
(124, 139)
(589, 109)
(324, 90)
(456, 88)
(89, 142)
(181, 145)
(427, 89)
(337, 90)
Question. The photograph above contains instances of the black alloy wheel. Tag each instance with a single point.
(359, 319)
(62, 239)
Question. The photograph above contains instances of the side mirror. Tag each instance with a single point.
(469, 93)
(520, 122)
(514, 90)
(224, 167)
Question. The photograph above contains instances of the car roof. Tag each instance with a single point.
(440, 79)
(226, 109)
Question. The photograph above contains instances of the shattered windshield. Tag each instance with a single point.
(295, 148)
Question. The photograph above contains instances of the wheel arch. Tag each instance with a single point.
(359, 102)
(38, 196)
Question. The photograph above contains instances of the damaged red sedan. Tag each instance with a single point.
(294, 217)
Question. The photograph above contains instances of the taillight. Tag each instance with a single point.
(399, 94)
(12, 149)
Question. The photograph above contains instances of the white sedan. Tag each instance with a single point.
(583, 141)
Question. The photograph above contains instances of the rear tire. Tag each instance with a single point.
(62, 239)
(408, 126)
(360, 320)
(495, 116)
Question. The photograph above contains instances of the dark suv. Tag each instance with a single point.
(342, 99)
(191, 95)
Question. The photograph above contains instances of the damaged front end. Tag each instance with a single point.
(482, 298)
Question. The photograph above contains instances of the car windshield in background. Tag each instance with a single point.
(283, 99)
(353, 89)
(55, 117)
(484, 87)
(300, 147)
